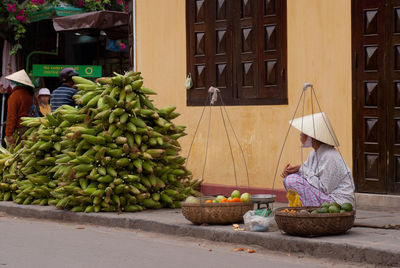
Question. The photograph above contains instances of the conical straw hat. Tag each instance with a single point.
(316, 126)
(20, 77)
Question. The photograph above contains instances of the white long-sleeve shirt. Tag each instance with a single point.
(326, 170)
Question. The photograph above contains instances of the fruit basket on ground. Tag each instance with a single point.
(220, 210)
(329, 219)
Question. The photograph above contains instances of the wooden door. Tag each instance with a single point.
(393, 96)
(376, 95)
(369, 95)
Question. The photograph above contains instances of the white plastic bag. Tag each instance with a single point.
(257, 223)
(189, 82)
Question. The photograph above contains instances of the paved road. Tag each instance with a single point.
(34, 243)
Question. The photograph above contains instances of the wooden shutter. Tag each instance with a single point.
(238, 46)
(209, 31)
(246, 49)
(260, 39)
(274, 51)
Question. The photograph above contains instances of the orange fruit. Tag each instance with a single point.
(224, 200)
(236, 199)
(209, 201)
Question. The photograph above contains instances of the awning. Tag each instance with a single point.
(49, 11)
(113, 23)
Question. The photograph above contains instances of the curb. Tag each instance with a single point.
(274, 241)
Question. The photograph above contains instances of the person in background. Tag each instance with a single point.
(44, 101)
(19, 104)
(63, 94)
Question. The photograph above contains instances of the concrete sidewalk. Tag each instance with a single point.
(375, 246)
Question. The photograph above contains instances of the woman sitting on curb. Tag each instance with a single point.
(324, 177)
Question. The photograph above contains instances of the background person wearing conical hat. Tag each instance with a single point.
(324, 177)
(19, 104)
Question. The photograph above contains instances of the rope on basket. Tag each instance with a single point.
(237, 140)
(283, 146)
(340, 153)
(212, 97)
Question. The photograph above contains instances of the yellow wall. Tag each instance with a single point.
(319, 51)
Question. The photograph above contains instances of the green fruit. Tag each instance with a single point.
(219, 198)
(245, 197)
(326, 204)
(192, 200)
(335, 204)
(235, 193)
(347, 207)
(333, 209)
(316, 211)
(323, 210)
(342, 211)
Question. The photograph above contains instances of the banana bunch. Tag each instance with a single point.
(29, 175)
(10, 176)
(11, 167)
(6, 186)
(39, 156)
(122, 153)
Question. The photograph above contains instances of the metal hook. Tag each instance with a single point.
(306, 85)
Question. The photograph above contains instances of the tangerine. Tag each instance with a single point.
(236, 199)
(209, 201)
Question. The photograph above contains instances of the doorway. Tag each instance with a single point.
(376, 95)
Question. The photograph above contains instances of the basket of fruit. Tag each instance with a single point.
(329, 219)
(219, 210)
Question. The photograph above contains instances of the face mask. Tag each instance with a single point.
(307, 143)
(13, 85)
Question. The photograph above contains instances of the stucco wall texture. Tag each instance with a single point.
(319, 52)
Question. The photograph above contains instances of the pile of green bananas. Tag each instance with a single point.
(29, 174)
(117, 152)
(13, 166)
(7, 182)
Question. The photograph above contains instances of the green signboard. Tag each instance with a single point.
(44, 70)
(49, 11)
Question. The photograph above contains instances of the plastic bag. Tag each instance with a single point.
(189, 82)
(260, 220)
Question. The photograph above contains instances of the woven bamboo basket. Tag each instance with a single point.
(300, 224)
(215, 213)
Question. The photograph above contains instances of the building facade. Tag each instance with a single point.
(259, 53)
